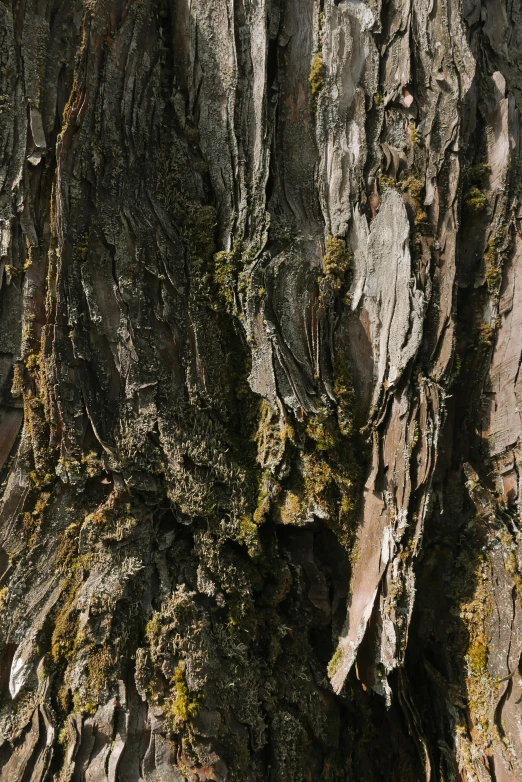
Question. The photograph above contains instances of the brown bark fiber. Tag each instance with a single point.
(260, 428)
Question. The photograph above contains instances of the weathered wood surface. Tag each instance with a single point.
(260, 394)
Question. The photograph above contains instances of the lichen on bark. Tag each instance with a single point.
(260, 319)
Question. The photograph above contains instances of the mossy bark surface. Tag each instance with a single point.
(260, 392)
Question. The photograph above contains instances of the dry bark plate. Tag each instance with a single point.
(260, 390)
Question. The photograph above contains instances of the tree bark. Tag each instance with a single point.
(260, 342)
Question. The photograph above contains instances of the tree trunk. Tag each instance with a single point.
(260, 341)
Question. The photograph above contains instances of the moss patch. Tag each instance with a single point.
(181, 707)
(475, 201)
(337, 261)
(333, 665)
(317, 75)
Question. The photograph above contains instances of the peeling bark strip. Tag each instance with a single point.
(260, 391)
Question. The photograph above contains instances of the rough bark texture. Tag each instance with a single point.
(260, 393)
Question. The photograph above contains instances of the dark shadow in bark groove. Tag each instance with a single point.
(440, 644)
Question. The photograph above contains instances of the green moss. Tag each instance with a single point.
(32, 365)
(421, 217)
(318, 475)
(291, 511)
(153, 628)
(30, 382)
(355, 553)
(475, 201)
(41, 503)
(486, 334)
(248, 535)
(82, 706)
(386, 182)
(337, 261)
(181, 707)
(272, 436)
(335, 662)
(415, 136)
(470, 589)
(333, 461)
(317, 74)
(493, 258)
(11, 272)
(41, 479)
(493, 272)
(92, 464)
(481, 686)
(323, 431)
(65, 622)
(344, 391)
(112, 520)
(264, 497)
(478, 656)
(101, 673)
(67, 557)
(70, 466)
(511, 563)
(63, 640)
(227, 266)
(414, 187)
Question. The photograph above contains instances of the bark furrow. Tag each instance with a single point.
(260, 390)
